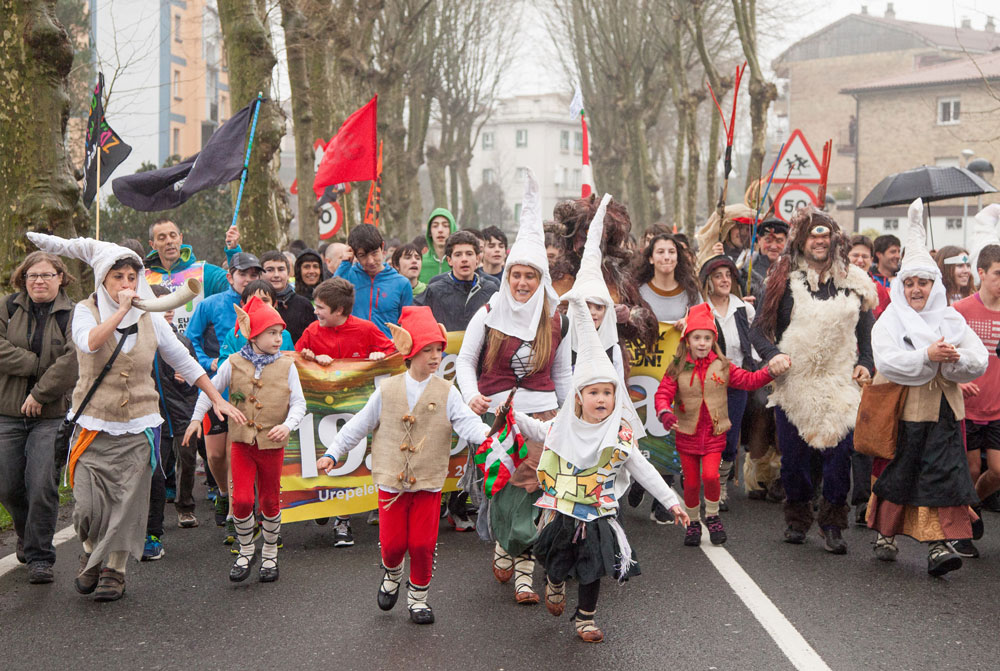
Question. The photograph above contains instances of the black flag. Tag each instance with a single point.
(101, 138)
(220, 161)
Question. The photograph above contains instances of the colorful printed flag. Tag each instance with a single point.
(373, 208)
(500, 454)
(350, 156)
(101, 141)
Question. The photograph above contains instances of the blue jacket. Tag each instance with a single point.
(378, 300)
(211, 320)
(214, 277)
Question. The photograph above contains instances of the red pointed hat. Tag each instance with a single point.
(700, 318)
(256, 317)
(416, 330)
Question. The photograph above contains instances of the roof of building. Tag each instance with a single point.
(909, 33)
(965, 69)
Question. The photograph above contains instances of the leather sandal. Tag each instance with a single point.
(503, 565)
(555, 597)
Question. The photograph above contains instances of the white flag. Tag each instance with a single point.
(576, 105)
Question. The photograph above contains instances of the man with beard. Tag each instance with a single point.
(816, 321)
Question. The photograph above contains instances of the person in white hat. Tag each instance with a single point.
(919, 342)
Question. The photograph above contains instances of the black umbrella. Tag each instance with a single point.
(928, 182)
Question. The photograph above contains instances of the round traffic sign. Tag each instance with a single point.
(331, 218)
(791, 198)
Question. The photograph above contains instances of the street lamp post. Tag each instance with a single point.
(984, 170)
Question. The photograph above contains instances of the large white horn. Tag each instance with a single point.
(184, 293)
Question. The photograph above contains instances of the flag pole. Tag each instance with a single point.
(97, 232)
(246, 160)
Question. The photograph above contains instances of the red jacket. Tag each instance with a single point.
(703, 441)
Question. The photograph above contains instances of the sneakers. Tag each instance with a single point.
(941, 559)
(111, 586)
(833, 541)
(321, 521)
(660, 515)
(221, 510)
(457, 516)
(977, 526)
(19, 551)
(635, 494)
(885, 548)
(186, 520)
(692, 536)
(372, 518)
(716, 532)
(212, 493)
(153, 549)
(342, 536)
(965, 548)
(794, 536)
(861, 515)
(230, 538)
(40, 572)
(171, 494)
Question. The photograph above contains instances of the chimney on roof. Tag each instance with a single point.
(890, 13)
(966, 22)
(864, 10)
(990, 26)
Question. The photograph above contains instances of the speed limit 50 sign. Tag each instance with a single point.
(791, 198)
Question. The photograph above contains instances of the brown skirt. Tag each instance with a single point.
(921, 523)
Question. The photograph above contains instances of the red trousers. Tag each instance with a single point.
(408, 522)
(700, 469)
(252, 465)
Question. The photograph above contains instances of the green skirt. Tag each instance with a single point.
(512, 519)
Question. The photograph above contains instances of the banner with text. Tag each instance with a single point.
(335, 393)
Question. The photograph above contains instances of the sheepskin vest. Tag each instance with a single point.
(691, 393)
(411, 448)
(127, 392)
(818, 393)
(264, 401)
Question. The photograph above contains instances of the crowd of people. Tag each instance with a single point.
(786, 330)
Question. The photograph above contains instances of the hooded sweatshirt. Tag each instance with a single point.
(213, 278)
(379, 299)
(301, 287)
(431, 265)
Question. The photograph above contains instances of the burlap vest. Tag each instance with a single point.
(128, 391)
(418, 460)
(687, 404)
(264, 401)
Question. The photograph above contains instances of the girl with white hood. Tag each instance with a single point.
(924, 491)
(588, 447)
(112, 456)
(517, 341)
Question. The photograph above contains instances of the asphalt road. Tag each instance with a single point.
(182, 612)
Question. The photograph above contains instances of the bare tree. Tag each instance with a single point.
(264, 213)
(39, 191)
(762, 92)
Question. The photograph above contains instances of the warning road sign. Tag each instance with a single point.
(798, 161)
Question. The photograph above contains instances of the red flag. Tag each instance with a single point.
(350, 156)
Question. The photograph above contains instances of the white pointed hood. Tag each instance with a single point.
(590, 284)
(573, 439)
(100, 256)
(936, 319)
(984, 232)
(520, 320)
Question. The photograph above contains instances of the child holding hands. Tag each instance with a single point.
(266, 386)
(696, 385)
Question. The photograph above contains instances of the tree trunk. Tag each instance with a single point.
(264, 213)
(762, 94)
(679, 176)
(296, 46)
(711, 169)
(693, 168)
(39, 192)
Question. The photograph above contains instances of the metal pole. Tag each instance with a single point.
(246, 161)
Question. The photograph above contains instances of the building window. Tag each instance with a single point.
(522, 137)
(177, 84)
(949, 110)
(517, 212)
(953, 223)
(578, 142)
(489, 176)
(177, 141)
(577, 178)
(564, 141)
(488, 140)
(890, 224)
(177, 28)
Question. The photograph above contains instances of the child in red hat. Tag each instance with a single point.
(413, 415)
(695, 385)
(265, 386)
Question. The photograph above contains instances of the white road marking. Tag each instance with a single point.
(9, 563)
(791, 642)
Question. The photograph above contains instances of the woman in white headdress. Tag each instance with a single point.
(517, 341)
(111, 461)
(925, 490)
(588, 447)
